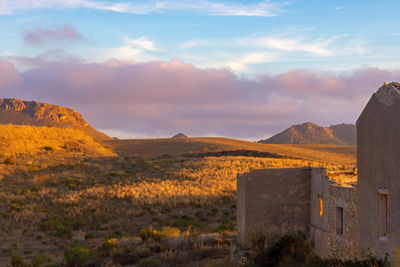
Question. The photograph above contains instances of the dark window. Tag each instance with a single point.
(383, 214)
(339, 220)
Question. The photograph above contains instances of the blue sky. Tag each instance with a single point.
(253, 41)
(281, 35)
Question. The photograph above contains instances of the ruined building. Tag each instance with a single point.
(343, 220)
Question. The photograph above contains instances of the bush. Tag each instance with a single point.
(40, 259)
(109, 244)
(77, 255)
(294, 249)
(16, 261)
(155, 235)
(47, 148)
(149, 262)
(59, 229)
(73, 183)
(150, 234)
(10, 161)
(291, 249)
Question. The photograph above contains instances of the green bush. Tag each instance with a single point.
(77, 255)
(291, 249)
(16, 261)
(40, 259)
(59, 229)
(47, 148)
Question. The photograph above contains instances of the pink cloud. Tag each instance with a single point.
(163, 98)
(9, 77)
(40, 36)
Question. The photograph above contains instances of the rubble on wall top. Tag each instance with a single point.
(389, 93)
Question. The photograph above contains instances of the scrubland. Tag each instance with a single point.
(149, 203)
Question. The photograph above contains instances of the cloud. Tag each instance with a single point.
(264, 8)
(8, 76)
(143, 43)
(137, 50)
(163, 98)
(60, 33)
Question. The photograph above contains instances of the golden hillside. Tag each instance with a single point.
(20, 112)
(32, 140)
(192, 145)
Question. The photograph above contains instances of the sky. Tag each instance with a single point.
(243, 69)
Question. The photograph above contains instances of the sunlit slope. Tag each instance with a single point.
(31, 140)
(178, 146)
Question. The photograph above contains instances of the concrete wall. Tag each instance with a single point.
(276, 200)
(378, 135)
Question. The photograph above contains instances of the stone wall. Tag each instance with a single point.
(327, 242)
(278, 200)
(343, 245)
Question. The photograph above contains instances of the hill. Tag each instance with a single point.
(32, 140)
(205, 145)
(180, 135)
(310, 133)
(19, 112)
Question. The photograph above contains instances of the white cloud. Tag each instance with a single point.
(143, 43)
(132, 50)
(240, 64)
(264, 8)
(317, 47)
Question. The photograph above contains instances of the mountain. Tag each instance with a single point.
(179, 135)
(310, 133)
(19, 112)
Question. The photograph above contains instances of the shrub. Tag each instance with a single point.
(109, 244)
(167, 231)
(149, 262)
(16, 261)
(47, 148)
(9, 161)
(291, 249)
(40, 259)
(73, 183)
(77, 255)
(150, 234)
(59, 229)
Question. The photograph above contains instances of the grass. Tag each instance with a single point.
(178, 146)
(148, 204)
(32, 140)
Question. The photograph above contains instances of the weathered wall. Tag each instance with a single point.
(276, 200)
(319, 224)
(378, 135)
(323, 228)
(344, 245)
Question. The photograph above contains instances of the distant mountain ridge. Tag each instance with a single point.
(311, 133)
(20, 112)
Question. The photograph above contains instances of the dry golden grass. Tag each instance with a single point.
(31, 140)
(177, 146)
(195, 182)
(49, 199)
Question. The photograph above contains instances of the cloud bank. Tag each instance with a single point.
(163, 98)
(61, 33)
